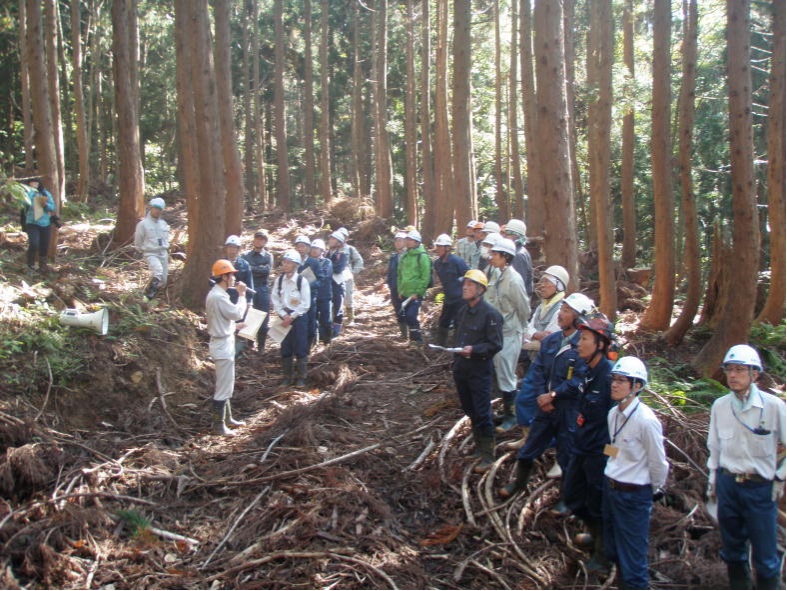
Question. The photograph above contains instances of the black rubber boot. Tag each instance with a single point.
(150, 293)
(403, 331)
(598, 562)
(219, 427)
(228, 420)
(286, 370)
(769, 582)
(485, 447)
(508, 419)
(523, 470)
(302, 371)
(739, 574)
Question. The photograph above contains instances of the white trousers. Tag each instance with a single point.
(506, 360)
(159, 267)
(225, 378)
(349, 285)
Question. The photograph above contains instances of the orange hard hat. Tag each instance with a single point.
(478, 226)
(221, 267)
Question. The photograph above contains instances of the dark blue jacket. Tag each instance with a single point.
(338, 261)
(323, 272)
(243, 273)
(393, 274)
(480, 327)
(557, 368)
(260, 264)
(523, 264)
(593, 434)
(450, 271)
(315, 266)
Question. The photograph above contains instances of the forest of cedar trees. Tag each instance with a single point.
(642, 142)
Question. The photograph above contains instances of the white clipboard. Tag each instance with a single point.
(309, 275)
(253, 321)
(276, 330)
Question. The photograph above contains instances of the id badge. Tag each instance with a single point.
(611, 451)
(294, 302)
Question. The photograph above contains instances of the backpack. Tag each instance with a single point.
(297, 283)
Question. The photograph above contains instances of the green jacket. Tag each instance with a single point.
(414, 273)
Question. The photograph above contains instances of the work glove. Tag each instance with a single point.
(778, 489)
(710, 493)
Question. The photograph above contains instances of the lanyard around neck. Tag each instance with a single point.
(616, 430)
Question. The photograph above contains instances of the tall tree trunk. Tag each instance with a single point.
(308, 106)
(359, 137)
(599, 72)
(560, 236)
(326, 190)
(83, 147)
(461, 112)
(279, 112)
(691, 250)
(629, 255)
(410, 122)
(659, 313)
(131, 176)
(233, 173)
(24, 76)
(738, 310)
(443, 200)
(259, 113)
(427, 160)
(536, 207)
(248, 114)
(518, 191)
(773, 311)
(501, 184)
(587, 222)
(51, 17)
(383, 164)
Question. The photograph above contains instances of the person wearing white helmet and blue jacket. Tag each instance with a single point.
(242, 267)
(414, 277)
(324, 291)
(151, 238)
(516, 230)
(450, 269)
(291, 299)
(260, 261)
(634, 475)
(303, 245)
(747, 428)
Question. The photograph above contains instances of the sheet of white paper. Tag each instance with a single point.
(446, 349)
(308, 275)
(276, 330)
(38, 211)
(254, 319)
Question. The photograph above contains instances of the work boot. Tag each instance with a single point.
(403, 330)
(415, 335)
(560, 509)
(349, 315)
(219, 427)
(523, 470)
(302, 370)
(515, 445)
(286, 370)
(509, 420)
(769, 582)
(739, 574)
(228, 420)
(598, 562)
(485, 447)
(555, 471)
(336, 329)
(150, 292)
(442, 336)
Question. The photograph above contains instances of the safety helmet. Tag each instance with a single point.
(580, 303)
(631, 367)
(232, 240)
(491, 227)
(560, 274)
(599, 324)
(491, 238)
(414, 235)
(261, 234)
(344, 231)
(472, 223)
(302, 240)
(401, 234)
(339, 236)
(743, 355)
(476, 276)
(221, 267)
(478, 226)
(443, 240)
(292, 255)
(318, 243)
(517, 227)
(505, 245)
(157, 202)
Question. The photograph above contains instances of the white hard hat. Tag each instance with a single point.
(344, 231)
(517, 227)
(443, 240)
(491, 238)
(318, 243)
(339, 236)
(471, 224)
(292, 255)
(302, 240)
(232, 240)
(157, 202)
(401, 234)
(632, 367)
(743, 355)
(491, 227)
(414, 235)
(580, 303)
(560, 274)
(505, 245)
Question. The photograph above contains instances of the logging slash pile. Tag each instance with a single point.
(362, 481)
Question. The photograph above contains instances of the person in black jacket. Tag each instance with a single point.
(450, 269)
(260, 262)
(479, 332)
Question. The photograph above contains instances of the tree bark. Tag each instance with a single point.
(51, 16)
(259, 113)
(83, 148)
(691, 250)
(738, 311)
(359, 135)
(308, 106)
(773, 311)
(233, 172)
(501, 184)
(629, 254)
(599, 72)
(518, 190)
(410, 122)
(283, 196)
(384, 200)
(658, 314)
(443, 202)
(326, 190)
(248, 113)
(560, 236)
(427, 159)
(535, 176)
(24, 77)
(131, 176)
(462, 111)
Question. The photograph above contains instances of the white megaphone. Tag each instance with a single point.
(98, 321)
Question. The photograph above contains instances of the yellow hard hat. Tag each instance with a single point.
(477, 276)
(221, 267)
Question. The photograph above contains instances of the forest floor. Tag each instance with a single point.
(111, 479)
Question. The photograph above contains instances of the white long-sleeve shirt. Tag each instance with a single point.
(738, 449)
(222, 315)
(152, 235)
(637, 434)
(288, 299)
